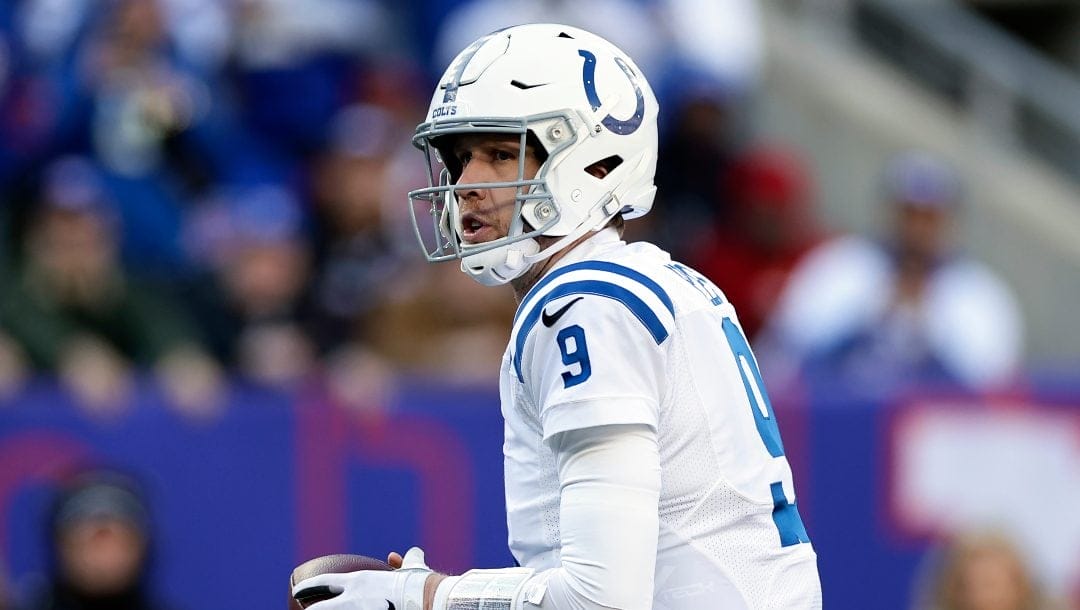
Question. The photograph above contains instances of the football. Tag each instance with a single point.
(327, 564)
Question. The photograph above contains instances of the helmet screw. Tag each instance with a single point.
(597, 129)
(555, 133)
(543, 211)
(576, 194)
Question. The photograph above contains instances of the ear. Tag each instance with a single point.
(603, 167)
(598, 170)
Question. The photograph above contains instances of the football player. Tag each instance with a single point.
(643, 463)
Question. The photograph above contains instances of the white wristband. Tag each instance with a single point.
(442, 592)
(483, 589)
(410, 588)
(411, 579)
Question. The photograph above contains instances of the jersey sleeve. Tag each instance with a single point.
(595, 359)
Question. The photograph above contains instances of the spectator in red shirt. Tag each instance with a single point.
(770, 226)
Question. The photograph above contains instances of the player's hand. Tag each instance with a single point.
(402, 589)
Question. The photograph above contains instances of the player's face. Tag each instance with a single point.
(486, 213)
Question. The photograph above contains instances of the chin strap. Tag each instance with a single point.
(501, 265)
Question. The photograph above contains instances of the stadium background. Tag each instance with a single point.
(359, 412)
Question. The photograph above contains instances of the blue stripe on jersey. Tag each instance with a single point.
(626, 272)
(786, 517)
(639, 308)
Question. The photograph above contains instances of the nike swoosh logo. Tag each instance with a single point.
(521, 85)
(550, 321)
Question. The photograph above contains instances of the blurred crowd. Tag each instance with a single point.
(199, 190)
(202, 190)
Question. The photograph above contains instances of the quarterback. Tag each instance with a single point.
(644, 467)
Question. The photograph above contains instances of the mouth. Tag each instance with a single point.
(474, 230)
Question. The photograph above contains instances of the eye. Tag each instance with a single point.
(464, 157)
(503, 155)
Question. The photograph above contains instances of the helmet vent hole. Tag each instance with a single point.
(565, 35)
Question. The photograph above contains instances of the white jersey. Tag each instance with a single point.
(621, 334)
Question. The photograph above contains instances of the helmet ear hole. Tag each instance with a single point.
(603, 167)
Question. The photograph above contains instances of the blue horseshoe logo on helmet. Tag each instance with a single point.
(588, 75)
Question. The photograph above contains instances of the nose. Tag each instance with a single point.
(473, 173)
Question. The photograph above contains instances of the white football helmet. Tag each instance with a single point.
(562, 89)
